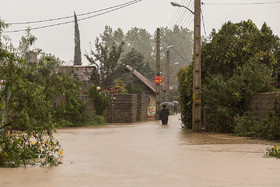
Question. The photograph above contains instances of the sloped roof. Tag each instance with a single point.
(142, 78)
(83, 73)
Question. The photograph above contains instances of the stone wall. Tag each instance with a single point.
(142, 104)
(128, 108)
(261, 103)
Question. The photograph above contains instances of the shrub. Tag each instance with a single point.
(273, 152)
(20, 149)
(269, 127)
(245, 125)
(101, 102)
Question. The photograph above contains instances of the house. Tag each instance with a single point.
(134, 78)
(83, 73)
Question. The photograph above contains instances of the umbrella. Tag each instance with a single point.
(166, 104)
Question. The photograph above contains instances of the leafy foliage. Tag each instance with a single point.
(18, 148)
(273, 152)
(236, 63)
(182, 42)
(245, 125)
(101, 102)
(106, 59)
(119, 86)
(185, 80)
(133, 90)
(77, 51)
(136, 61)
(269, 127)
(27, 112)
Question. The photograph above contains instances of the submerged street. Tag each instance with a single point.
(150, 154)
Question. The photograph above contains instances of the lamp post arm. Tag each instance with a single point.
(179, 5)
(188, 9)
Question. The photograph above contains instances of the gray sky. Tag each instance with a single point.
(147, 14)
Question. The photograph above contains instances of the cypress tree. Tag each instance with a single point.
(77, 52)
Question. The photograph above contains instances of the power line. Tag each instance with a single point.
(173, 47)
(178, 12)
(203, 23)
(261, 3)
(67, 17)
(109, 10)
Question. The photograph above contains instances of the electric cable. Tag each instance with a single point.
(186, 14)
(67, 17)
(203, 23)
(172, 47)
(190, 19)
(81, 19)
(260, 3)
(178, 12)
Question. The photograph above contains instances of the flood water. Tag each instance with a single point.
(149, 154)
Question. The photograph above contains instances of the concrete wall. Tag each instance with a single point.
(124, 109)
(261, 103)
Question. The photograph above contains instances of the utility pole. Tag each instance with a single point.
(167, 75)
(196, 112)
(158, 73)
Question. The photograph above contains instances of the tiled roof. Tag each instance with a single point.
(83, 73)
(142, 78)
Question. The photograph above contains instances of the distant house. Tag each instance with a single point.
(134, 78)
(83, 73)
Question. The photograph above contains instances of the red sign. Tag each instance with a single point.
(158, 79)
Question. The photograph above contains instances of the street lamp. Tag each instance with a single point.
(196, 108)
(179, 5)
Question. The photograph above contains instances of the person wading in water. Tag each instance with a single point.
(164, 115)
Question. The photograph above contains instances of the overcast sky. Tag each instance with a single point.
(146, 14)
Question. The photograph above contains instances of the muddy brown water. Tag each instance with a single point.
(149, 154)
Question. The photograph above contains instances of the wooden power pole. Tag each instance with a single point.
(196, 112)
(167, 75)
(158, 73)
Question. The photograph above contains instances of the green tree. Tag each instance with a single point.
(136, 61)
(26, 42)
(106, 60)
(109, 37)
(141, 40)
(236, 44)
(27, 112)
(63, 89)
(237, 62)
(182, 41)
(26, 116)
(77, 51)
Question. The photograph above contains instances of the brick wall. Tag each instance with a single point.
(261, 103)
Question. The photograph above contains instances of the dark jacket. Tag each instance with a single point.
(164, 116)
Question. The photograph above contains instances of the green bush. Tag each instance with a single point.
(269, 127)
(273, 152)
(101, 102)
(21, 149)
(245, 125)
(185, 80)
